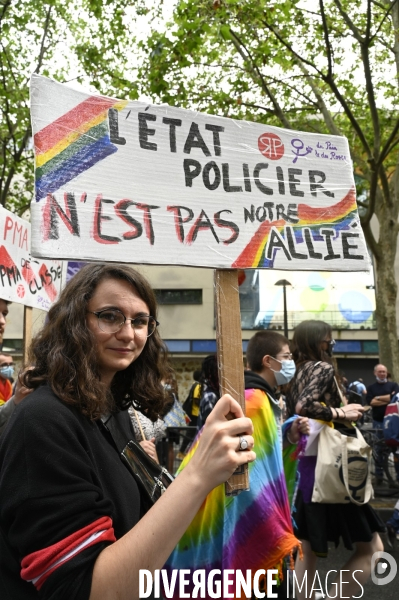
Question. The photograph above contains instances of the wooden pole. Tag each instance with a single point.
(285, 312)
(229, 349)
(27, 332)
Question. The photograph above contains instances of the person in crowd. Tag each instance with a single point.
(146, 432)
(314, 393)
(7, 409)
(357, 387)
(252, 530)
(393, 526)
(71, 525)
(6, 373)
(379, 395)
(210, 389)
(8, 399)
(173, 415)
(191, 404)
(191, 407)
(4, 304)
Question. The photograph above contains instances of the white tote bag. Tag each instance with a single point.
(342, 468)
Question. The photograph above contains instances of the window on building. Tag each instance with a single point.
(179, 296)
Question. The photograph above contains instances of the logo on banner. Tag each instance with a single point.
(271, 146)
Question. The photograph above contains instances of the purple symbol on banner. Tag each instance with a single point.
(297, 146)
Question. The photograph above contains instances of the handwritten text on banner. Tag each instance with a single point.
(23, 279)
(138, 183)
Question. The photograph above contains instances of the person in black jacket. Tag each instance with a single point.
(71, 524)
(379, 395)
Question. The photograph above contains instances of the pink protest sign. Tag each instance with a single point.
(23, 279)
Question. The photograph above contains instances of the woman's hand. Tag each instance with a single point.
(217, 455)
(149, 447)
(152, 540)
(350, 412)
(300, 425)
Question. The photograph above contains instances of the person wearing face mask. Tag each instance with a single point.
(253, 530)
(314, 393)
(8, 408)
(379, 395)
(6, 373)
(270, 365)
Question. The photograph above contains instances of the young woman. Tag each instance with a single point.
(70, 525)
(313, 393)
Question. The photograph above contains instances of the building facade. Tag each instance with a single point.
(187, 314)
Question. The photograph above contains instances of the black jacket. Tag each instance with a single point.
(380, 389)
(253, 381)
(60, 473)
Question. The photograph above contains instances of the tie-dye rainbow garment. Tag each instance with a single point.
(252, 530)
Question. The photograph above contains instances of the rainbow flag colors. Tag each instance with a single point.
(252, 530)
(338, 217)
(73, 143)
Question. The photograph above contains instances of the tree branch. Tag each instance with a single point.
(370, 239)
(5, 5)
(395, 21)
(387, 13)
(44, 36)
(333, 87)
(372, 197)
(389, 144)
(319, 100)
(239, 45)
(349, 22)
(18, 152)
(327, 39)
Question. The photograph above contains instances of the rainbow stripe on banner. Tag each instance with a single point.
(338, 217)
(73, 143)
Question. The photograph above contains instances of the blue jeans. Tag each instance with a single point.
(378, 427)
(394, 520)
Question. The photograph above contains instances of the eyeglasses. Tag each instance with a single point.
(330, 342)
(112, 320)
(286, 356)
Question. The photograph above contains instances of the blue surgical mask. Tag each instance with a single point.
(7, 372)
(286, 372)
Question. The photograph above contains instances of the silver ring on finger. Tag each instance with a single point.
(242, 444)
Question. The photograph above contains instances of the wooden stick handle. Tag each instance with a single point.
(139, 423)
(229, 350)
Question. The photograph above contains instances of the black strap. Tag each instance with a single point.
(112, 426)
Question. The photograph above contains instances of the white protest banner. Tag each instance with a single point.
(132, 182)
(23, 279)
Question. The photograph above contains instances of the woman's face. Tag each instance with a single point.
(327, 344)
(116, 351)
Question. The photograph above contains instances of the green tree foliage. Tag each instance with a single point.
(82, 40)
(328, 66)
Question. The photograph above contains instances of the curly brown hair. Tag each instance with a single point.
(64, 352)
